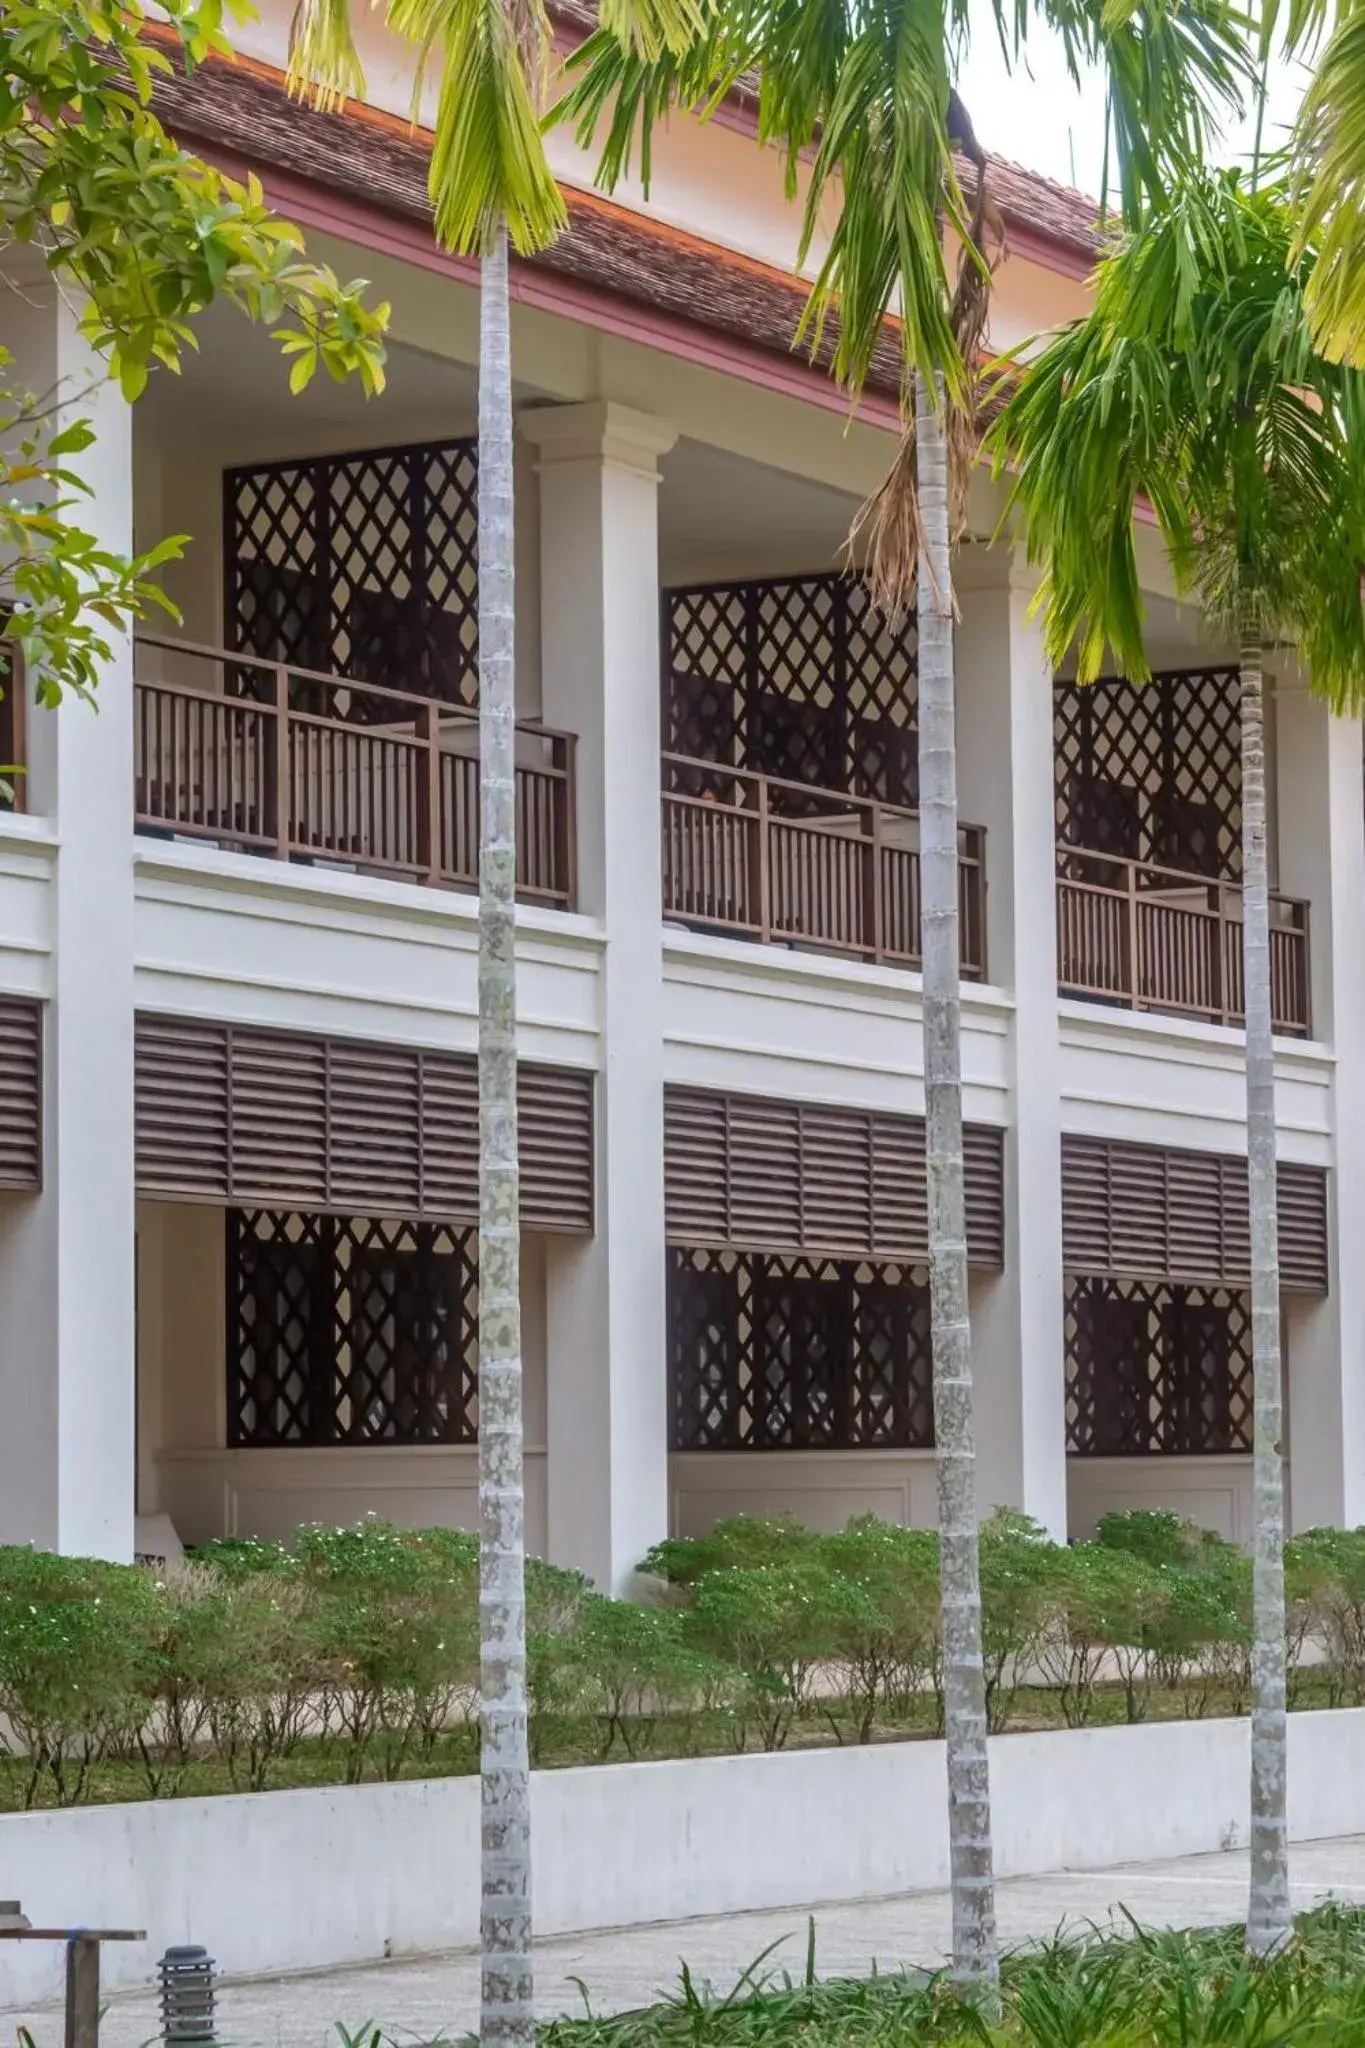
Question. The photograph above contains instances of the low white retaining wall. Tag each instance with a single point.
(294, 1880)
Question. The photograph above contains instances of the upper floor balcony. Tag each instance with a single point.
(1149, 854)
(303, 765)
(791, 773)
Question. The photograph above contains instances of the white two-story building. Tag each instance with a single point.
(238, 1256)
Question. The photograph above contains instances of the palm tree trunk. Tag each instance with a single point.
(1269, 1921)
(975, 1952)
(507, 2019)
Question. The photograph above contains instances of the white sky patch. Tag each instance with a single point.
(1037, 117)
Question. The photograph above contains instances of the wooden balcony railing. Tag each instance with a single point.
(13, 750)
(784, 863)
(1154, 938)
(315, 767)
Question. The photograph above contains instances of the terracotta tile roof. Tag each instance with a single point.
(375, 159)
(372, 157)
(1054, 212)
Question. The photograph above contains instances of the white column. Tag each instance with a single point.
(607, 1407)
(1005, 784)
(1322, 857)
(67, 1374)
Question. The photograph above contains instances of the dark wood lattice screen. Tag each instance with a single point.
(232, 1114)
(347, 1331)
(800, 679)
(1153, 771)
(21, 1093)
(750, 1173)
(770, 1354)
(1157, 1370)
(1146, 1212)
(365, 565)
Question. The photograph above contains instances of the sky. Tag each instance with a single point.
(1039, 119)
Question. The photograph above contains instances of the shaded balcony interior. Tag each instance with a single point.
(1148, 794)
(791, 771)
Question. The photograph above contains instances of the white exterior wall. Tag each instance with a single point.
(599, 565)
(267, 1881)
(66, 932)
(98, 927)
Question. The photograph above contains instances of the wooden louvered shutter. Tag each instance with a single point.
(984, 1151)
(763, 1172)
(1303, 1227)
(280, 1123)
(21, 1093)
(696, 1148)
(556, 1143)
(900, 1193)
(374, 1128)
(450, 1137)
(1144, 1212)
(292, 1120)
(183, 1124)
(752, 1174)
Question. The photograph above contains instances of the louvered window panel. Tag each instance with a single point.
(293, 1121)
(768, 1353)
(555, 1138)
(21, 1093)
(1149, 1212)
(749, 1173)
(344, 1330)
(1156, 1370)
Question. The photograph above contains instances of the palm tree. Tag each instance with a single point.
(1194, 383)
(862, 100)
(1329, 150)
(490, 185)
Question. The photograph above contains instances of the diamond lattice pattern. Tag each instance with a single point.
(1156, 1370)
(1152, 771)
(799, 678)
(798, 1354)
(360, 565)
(350, 1331)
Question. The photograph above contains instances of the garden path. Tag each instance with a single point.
(436, 1997)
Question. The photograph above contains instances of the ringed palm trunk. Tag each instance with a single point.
(507, 2016)
(1269, 1920)
(975, 1953)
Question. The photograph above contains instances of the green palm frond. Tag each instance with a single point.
(652, 28)
(1330, 150)
(488, 163)
(324, 64)
(857, 92)
(1194, 384)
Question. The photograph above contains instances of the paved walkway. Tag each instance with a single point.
(436, 1997)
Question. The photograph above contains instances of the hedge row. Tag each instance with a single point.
(366, 1640)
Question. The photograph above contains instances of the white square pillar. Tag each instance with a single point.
(1005, 781)
(67, 1372)
(607, 1407)
(1322, 858)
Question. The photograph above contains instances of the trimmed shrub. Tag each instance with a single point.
(77, 1655)
(889, 1640)
(739, 1543)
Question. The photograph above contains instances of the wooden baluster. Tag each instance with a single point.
(277, 767)
(566, 867)
(758, 856)
(1219, 1007)
(1132, 965)
(428, 766)
(870, 851)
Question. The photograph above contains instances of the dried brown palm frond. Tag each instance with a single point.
(885, 534)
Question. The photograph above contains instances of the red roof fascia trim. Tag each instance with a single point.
(372, 227)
